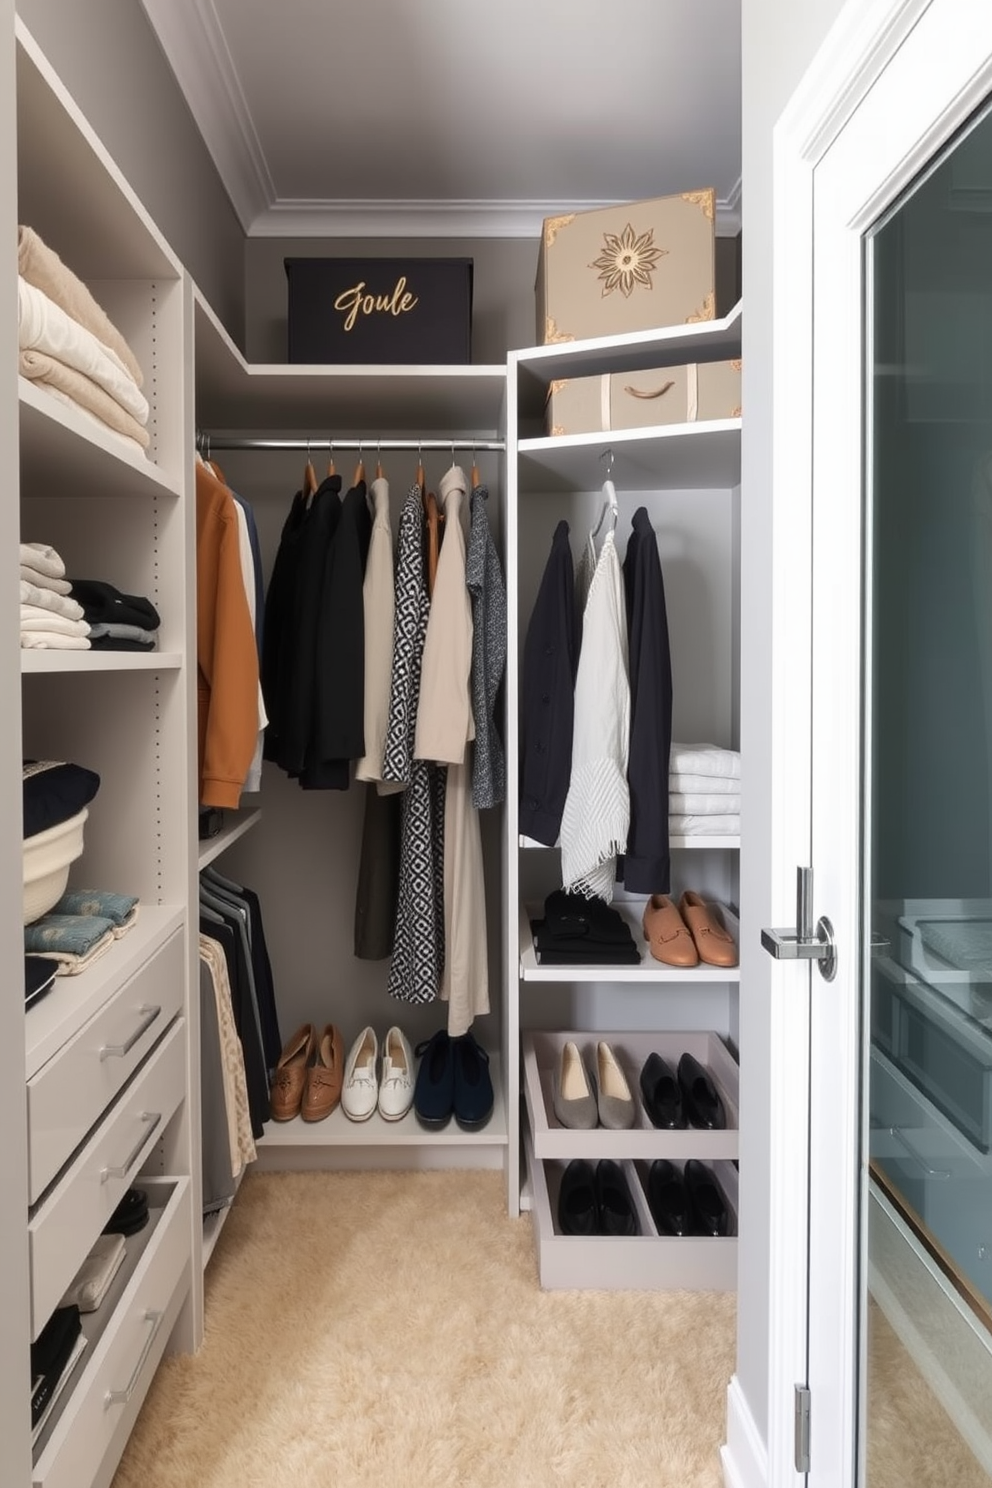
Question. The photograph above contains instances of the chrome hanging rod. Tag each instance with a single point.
(368, 446)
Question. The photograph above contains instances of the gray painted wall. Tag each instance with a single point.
(143, 120)
(778, 41)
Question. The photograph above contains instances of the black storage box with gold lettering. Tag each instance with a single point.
(375, 310)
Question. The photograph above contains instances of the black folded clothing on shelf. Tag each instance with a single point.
(50, 1353)
(54, 791)
(104, 605)
(576, 931)
(131, 1214)
(39, 975)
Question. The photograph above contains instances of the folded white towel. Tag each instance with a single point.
(47, 599)
(704, 759)
(42, 581)
(48, 640)
(43, 558)
(705, 826)
(44, 326)
(35, 617)
(710, 785)
(695, 803)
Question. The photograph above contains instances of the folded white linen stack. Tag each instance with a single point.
(704, 791)
(67, 344)
(50, 618)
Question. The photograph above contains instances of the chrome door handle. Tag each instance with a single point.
(803, 943)
(152, 1119)
(121, 1397)
(900, 1136)
(118, 1051)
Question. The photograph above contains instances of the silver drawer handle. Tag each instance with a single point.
(910, 1150)
(121, 1397)
(153, 1117)
(118, 1051)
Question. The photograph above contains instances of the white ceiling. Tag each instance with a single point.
(457, 117)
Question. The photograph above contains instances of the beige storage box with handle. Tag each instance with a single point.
(640, 400)
(629, 268)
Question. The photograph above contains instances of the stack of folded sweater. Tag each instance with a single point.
(117, 621)
(704, 791)
(51, 618)
(80, 927)
(577, 931)
(68, 344)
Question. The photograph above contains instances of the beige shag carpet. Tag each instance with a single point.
(387, 1328)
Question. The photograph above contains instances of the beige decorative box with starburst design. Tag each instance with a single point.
(639, 400)
(628, 268)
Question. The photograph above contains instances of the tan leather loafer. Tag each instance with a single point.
(324, 1076)
(715, 945)
(286, 1094)
(667, 933)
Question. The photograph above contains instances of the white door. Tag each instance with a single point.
(887, 432)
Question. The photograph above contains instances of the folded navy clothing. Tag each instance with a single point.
(103, 604)
(54, 791)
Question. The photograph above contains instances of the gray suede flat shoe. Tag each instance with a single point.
(574, 1096)
(616, 1104)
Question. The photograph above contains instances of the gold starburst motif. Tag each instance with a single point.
(627, 260)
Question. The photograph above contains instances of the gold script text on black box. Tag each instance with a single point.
(380, 310)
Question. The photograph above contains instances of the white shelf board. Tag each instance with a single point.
(233, 394)
(700, 456)
(70, 190)
(64, 453)
(648, 969)
(634, 351)
(100, 661)
(677, 844)
(337, 1131)
(73, 1000)
(236, 824)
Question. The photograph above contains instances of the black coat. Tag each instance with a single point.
(547, 695)
(646, 866)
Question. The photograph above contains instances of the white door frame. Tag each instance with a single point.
(891, 84)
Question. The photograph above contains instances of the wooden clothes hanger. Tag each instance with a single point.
(309, 477)
(360, 467)
(330, 458)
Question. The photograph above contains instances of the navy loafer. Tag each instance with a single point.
(473, 1098)
(434, 1091)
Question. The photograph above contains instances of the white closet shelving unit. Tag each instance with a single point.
(688, 477)
(106, 1059)
(315, 835)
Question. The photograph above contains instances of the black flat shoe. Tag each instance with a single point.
(661, 1094)
(700, 1101)
(668, 1200)
(577, 1199)
(706, 1196)
(617, 1215)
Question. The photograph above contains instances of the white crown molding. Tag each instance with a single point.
(190, 35)
(436, 219)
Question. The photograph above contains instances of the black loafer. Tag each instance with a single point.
(700, 1101)
(709, 1205)
(661, 1094)
(614, 1204)
(577, 1199)
(668, 1200)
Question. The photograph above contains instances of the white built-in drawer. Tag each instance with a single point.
(69, 1219)
(88, 1433)
(70, 1093)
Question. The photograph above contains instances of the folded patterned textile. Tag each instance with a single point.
(100, 630)
(707, 784)
(44, 326)
(39, 367)
(118, 908)
(704, 759)
(703, 826)
(45, 559)
(124, 440)
(104, 605)
(73, 942)
(48, 640)
(696, 804)
(42, 267)
(48, 599)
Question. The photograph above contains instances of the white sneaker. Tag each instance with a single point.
(360, 1091)
(396, 1086)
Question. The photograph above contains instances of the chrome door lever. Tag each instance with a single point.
(803, 943)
